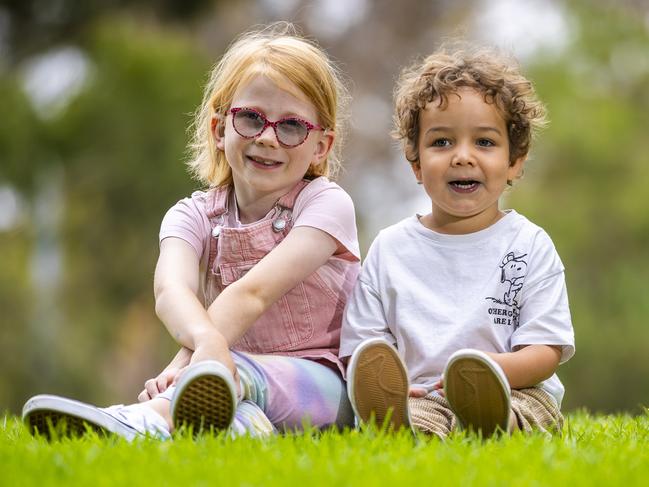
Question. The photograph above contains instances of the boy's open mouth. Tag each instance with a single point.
(465, 185)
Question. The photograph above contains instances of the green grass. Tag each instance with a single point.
(594, 450)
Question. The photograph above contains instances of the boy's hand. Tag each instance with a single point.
(417, 392)
(439, 387)
(423, 392)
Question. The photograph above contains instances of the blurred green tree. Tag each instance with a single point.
(35, 25)
(588, 185)
(120, 147)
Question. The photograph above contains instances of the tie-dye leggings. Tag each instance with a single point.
(281, 393)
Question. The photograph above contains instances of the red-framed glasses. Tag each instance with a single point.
(290, 131)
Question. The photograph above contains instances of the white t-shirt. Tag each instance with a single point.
(431, 294)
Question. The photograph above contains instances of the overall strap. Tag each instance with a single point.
(283, 221)
(216, 206)
(217, 201)
(288, 200)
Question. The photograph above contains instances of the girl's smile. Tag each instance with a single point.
(264, 163)
(263, 169)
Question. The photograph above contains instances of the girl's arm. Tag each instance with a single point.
(528, 365)
(299, 255)
(176, 284)
(210, 333)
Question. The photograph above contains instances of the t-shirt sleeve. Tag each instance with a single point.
(326, 206)
(188, 221)
(544, 313)
(364, 316)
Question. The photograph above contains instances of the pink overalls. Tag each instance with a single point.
(306, 321)
(277, 382)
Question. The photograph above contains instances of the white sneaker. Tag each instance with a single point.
(205, 398)
(377, 384)
(46, 415)
(478, 392)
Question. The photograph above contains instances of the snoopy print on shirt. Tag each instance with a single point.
(506, 307)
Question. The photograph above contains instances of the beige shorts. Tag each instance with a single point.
(533, 408)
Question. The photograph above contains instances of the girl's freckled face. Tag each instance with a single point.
(261, 166)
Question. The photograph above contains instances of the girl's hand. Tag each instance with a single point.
(213, 347)
(159, 384)
(210, 350)
(155, 386)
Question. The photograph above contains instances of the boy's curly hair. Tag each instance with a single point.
(488, 71)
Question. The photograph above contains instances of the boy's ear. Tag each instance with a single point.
(411, 152)
(416, 168)
(218, 131)
(515, 170)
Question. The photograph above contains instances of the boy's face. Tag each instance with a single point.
(463, 162)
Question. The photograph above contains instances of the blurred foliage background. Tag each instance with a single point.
(95, 100)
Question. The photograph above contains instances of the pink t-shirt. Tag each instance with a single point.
(321, 204)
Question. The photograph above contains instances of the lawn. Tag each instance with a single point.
(594, 450)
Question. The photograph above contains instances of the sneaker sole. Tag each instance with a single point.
(379, 385)
(477, 394)
(204, 399)
(53, 416)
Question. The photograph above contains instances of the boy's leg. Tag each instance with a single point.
(432, 415)
(536, 410)
(378, 384)
(291, 391)
(478, 392)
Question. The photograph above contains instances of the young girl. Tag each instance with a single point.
(472, 297)
(253, 273)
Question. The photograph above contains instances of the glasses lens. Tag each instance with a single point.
(248, 122)
(291, 131)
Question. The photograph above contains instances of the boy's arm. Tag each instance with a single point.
(365, 312)
(525, 367)
(529, 365)
(363, 319)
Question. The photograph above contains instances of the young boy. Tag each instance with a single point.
(460, 316)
